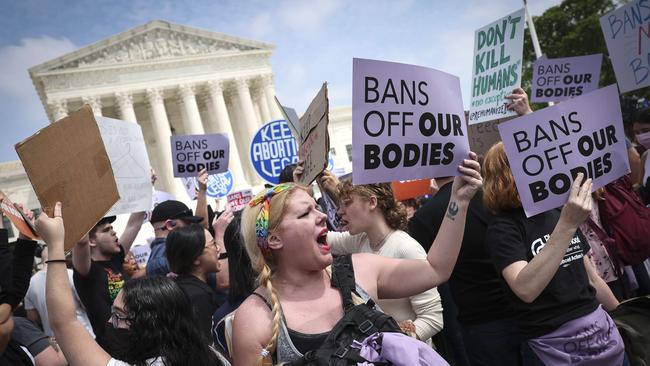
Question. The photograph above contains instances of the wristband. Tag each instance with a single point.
(55, 261)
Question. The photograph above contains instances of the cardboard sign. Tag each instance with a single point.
(407, 122)
(219, 185)
(314, 137)
(406, 189)
(627, 35)
(17, 218)
(273, 147)
(555, 80)
(496, 67)
(548, 148)
(67, 162)
(191, 153)
(238, 200)
(290, 116)
(483, 135)
(141, 254)
(127, 152)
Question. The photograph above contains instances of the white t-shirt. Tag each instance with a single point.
(151, 362)
(35, 299)
(425, 309)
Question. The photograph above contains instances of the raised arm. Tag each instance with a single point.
(528, 279)
(132, 229)
(81, 260)
(397, 278)
(75, 341)
(201, 198)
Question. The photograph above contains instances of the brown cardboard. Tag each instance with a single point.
(314, 137)
(66, 161)
(483, 135)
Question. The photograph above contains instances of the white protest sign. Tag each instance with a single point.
(627, 34)
(127, 152)
(141, 254)
(238, 200)
(496, 67)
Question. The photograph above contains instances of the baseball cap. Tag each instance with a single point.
(172, 210)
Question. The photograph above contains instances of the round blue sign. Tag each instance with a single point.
(219, 185)
(273, 147)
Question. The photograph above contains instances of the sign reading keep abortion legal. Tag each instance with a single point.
(407, 122)
(558, 79)
(548, 148)
(191, 153)
(273, 147)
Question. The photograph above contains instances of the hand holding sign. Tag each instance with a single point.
(202, 178)
(518, 102)
(578, 206)
(466, 184)
(51, 229)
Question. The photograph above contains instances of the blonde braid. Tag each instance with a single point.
(264, 279)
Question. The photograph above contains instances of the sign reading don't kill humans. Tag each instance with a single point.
(496, 66)
(191, 153)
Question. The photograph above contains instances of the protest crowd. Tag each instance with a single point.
(532, 251)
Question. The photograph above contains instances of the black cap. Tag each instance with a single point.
(172, 210)
(106, 220)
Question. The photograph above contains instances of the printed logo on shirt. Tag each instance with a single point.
(115, 282)
(573, 252)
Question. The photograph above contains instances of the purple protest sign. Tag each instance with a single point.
(191, 153)
(546, 149)
(407, 122)
(559, 79)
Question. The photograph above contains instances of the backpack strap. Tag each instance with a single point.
(343, 279)
(610, 245)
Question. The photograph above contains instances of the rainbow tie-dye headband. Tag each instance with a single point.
(262, 221)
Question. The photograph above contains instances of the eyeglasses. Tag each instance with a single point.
(223, 255)
(116, 317)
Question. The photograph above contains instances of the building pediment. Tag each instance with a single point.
(151, 42)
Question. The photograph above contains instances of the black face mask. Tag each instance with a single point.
(117, 341)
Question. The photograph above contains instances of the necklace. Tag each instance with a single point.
(378, 246)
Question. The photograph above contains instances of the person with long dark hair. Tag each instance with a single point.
(149, 314)
(193, 254)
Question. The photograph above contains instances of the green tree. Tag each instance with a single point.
(572, 29)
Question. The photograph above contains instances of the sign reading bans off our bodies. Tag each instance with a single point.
(407, 122)
(496, 67)
(548, 148)
(191, 153)
(555, 80)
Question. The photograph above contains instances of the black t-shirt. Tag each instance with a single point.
(512, 237)
(474, 283)
(98, 289)
(204, 300)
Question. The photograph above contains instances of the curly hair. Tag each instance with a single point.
(393, 211)
(499, 189)
(161, 325)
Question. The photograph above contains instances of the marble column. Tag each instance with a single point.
(58, 109)
(162, 132)
(192, 120)
(269, 92)
(264, 106)
(247, 108)
(125, 106)
(95, 103)
(221, 124)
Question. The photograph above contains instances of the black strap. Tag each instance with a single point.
(343, 279)
(263, 299)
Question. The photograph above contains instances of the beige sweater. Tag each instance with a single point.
(425, 309)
